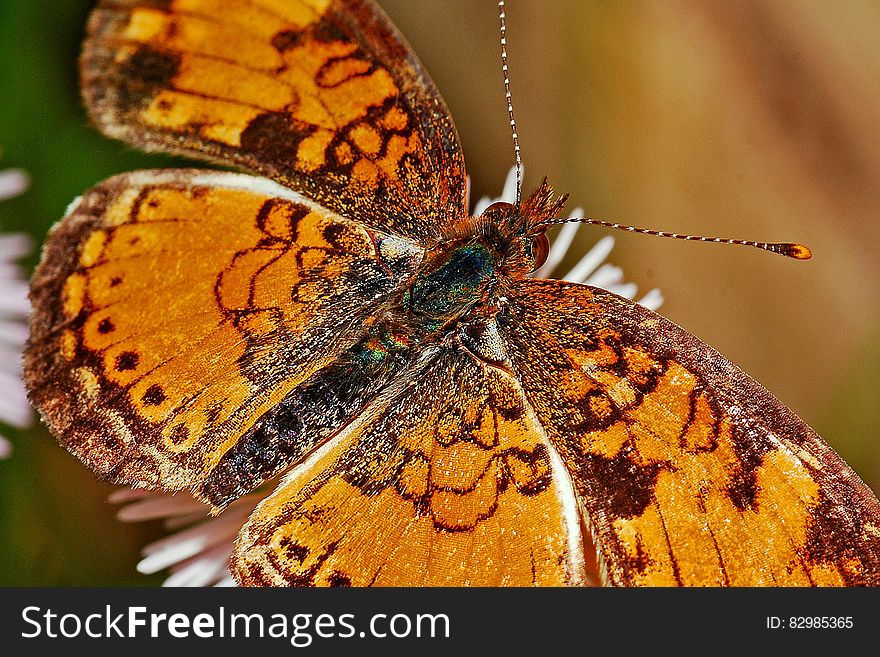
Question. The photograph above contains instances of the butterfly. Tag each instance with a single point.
(336, 315)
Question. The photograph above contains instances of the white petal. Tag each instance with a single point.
(14, 407)
(627, 290)
(581, 272)
(226, 581)
(652, 300)
(508, 194)
(13, 298)
(125, 494)
(161, 506)
(13, 182)
(481, 205)
(203, 570)
(10, 364)
(606, 276)
(14, 333)
(176, 522)
(14, 246)
(188, 543)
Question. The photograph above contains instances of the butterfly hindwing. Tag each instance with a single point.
(447, 480)
(178, 314)
(688, 471)
(323, 96)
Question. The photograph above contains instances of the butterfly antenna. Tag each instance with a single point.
(791, 250)
(502, 16)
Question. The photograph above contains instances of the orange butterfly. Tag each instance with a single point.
(444, 418)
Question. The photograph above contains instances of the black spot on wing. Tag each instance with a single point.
(287, 39)
(624, 488)
(338, 579)
(154, 395)
(127, 360)
(275, 137)
(145, 73)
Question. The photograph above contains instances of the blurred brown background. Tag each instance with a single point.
(754, 120)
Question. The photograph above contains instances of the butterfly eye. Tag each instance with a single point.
(499, 207)
(540, 249)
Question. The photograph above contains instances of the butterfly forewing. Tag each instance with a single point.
(323, 96)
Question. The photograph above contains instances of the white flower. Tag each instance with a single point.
(198, 549)
(14, 308)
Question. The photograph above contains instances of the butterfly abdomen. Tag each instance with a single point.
(310, 414)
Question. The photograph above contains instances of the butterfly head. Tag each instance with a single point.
(472, 261)
(522, 231)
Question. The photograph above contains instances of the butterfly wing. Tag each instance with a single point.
(180, 316)
(446, 480)
(687, 471)
(323, 96)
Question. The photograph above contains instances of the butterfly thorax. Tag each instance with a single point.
(469, 267)
(452, 281)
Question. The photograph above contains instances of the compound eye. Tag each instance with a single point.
(540, 249)
(499, 207)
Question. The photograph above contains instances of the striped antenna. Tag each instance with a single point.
(502, 16)
(791, 250)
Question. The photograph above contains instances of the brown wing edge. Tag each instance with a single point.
(52, 386)
(850, 511)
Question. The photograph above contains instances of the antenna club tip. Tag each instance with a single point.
(797, 251)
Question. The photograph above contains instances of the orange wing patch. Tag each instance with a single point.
(449, 482)
(321, 96)
(688, 471)
(191, 303)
